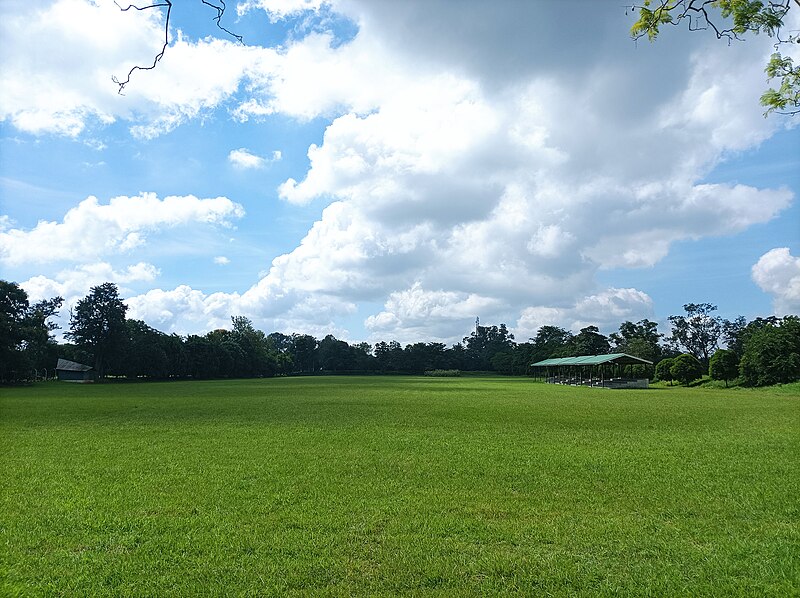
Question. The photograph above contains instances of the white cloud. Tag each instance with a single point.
(416, 313)
(92, 229)
(777, 272)
(58, 62)
(467, 168)
(243, 159)
(221, 260)
(74, 284)
(279, 9)
(606, 309)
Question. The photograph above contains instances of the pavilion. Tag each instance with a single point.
(615, 370)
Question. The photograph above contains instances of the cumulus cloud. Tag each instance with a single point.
(606, 309)
(416, 313)
(74, 284)
(279, 9)
(777, 272)
(92, 229)
(243, 159)
(221, 260)
(462, 172)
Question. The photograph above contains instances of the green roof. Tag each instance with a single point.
(615, 358)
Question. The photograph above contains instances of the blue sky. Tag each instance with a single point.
(385, 170)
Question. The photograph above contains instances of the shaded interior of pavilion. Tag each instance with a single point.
(616, 370)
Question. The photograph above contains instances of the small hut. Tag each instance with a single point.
(70, 371)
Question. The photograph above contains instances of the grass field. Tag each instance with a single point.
(386, 486)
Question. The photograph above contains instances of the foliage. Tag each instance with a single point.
(724, 365)
(97, 325)
(732, 20)
(772, 354)
(698, 332)
(443, 373)
(664, 369)
(686, 368)
(26, 342)
(733, 334)
(483, 343)
(588, 341)
(641, 339)
(396, 486)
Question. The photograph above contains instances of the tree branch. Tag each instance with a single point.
(221, 11)
(158, 56)
(220, 8)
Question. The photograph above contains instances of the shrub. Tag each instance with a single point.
(443, 373)
(686, 368)
(663, 372)
(724, 365)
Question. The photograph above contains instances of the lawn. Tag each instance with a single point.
(397, 485)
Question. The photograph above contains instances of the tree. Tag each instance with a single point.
(686, 368)
(732, 20)
(145, 354)
(724, 365)
(13, 309)
(26, 342)
(698, 332)
(640, 339)
(664, 369)
(733, 334)
(484, 342)
(772, 354)
(588, 341)
(549, 341)
(97, 324)
(304, 352)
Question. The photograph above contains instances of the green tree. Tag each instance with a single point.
(640, 339)
(686, 368)
(724, 365)
(772, 354)
(733, 332)
(588, 341)
(664, 369)
(732, 20)
(13, 310)
(26, 342)
(550, 341)
(698, 332)
(97, 325)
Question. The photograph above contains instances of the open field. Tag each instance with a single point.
(385, 486)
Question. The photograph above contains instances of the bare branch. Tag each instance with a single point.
(220, 8)
(160, 55)
(221, 11)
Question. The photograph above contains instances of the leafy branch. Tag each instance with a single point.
(732, 20)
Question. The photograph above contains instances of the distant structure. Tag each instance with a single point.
(70, 371)
(605, 371)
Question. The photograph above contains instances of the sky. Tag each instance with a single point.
(383, 170)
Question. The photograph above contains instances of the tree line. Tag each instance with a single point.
(760, 352)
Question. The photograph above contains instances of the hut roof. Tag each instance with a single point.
(72, 366)
(616, 358)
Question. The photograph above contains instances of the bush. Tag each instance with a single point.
(663, 367)
(686, 368)
(724, 365)
(443, 373)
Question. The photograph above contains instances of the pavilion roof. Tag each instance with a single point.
(587, 360)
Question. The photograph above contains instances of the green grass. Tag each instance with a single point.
(384, 486)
